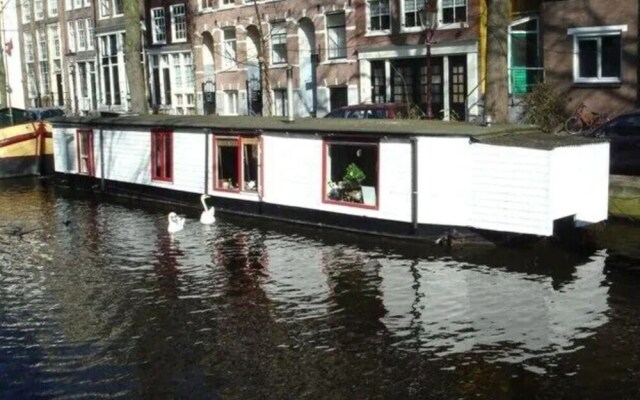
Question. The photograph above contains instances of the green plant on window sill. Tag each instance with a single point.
(353, 176)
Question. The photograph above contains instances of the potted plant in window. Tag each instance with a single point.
(352, 181)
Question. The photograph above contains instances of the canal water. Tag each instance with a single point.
(97, 300)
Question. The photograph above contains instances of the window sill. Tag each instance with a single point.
(335, 61)
(378, 33)
(597, 84)
(350, 204)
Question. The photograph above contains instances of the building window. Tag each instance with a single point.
(378, 82)
(38, 6)
(411, 14)
(105, 8)
(178, 23)
(89, 24)
(162, 155)
(158, 29)
(26, 11)
(338, 97)
(45, 79)
(231, 102)
(228, 2)
(379, 17)
(597, 54)
(52, 7)
(351, 172)
(71, 36)
(86, 163)
(524, 56)
(280, 102)
(278, 43)
(54, 41)
(336, 35)
(454, 11)
(82, 35)
(28, 47)
(229, 56)
(118, 8)
(110, 72)
(236, 163)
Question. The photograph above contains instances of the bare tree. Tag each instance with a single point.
(133, 57)
(496, 95)
(264, 62)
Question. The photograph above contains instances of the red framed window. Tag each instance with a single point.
(350, 172)
(86, 164)
(237, 164)
(162, 155)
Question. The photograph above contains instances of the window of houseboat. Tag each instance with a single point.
(236, 163)
(85, 152)
(162, 155)
(351, 173)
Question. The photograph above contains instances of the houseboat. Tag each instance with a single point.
(25, 145)
(407, 178)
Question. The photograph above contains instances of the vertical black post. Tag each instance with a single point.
(414, 184)
(102, 183)
(314, 83)
(206, 160)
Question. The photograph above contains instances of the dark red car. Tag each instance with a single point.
(378, 111)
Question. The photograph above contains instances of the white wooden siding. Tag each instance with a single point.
(580, 182)
(510, 189)
(443, 181)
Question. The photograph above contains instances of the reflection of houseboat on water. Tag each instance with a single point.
(25, 144)
(406, 178)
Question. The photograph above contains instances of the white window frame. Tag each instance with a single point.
(81, 34)
(231, 102)
(278, 33)
(369, 15)
(71, 36)
(335, 50)
(52, 8)
(159, 26)
(90, 39)
(418, 5)
(178, 23)
(229, 52)
(28, 47)
(105, 9)
(454, 4)
(26, 11)
(54, 40)
(595, 32)
(121, 9)
(38, 9)
(77, 4)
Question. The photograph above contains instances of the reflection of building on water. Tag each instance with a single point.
(509, 315)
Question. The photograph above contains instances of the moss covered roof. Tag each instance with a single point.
(508, 135)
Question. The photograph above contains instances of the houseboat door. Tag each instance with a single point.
(458, 87)
(86, 163)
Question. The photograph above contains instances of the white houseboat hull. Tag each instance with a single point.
(426, 182)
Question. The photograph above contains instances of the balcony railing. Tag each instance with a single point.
(522, 79)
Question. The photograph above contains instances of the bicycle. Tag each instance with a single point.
(583, 119)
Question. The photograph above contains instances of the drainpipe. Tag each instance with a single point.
(290, 93)
(102, 184)
(414, 184)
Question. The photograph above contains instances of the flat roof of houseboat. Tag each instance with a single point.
(506, 135)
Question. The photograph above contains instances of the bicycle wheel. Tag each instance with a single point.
(573, 125)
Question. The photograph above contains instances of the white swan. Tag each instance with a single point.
(207, 216)
(176, 223)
